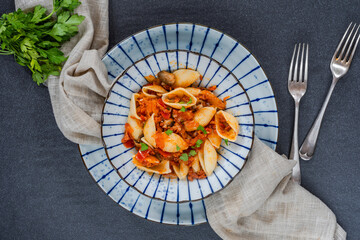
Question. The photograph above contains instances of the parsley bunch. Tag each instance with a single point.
(34, 38)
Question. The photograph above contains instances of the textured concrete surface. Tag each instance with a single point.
(45, 191)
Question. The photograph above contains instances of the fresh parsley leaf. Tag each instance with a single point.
(55, 55)
(35, 37)
(168, 132)
(144, 147)
(201, 128)
(183, 109)
(198, 143)
(182, 102)
(184, 157)
(39, 11)
(226, 142)
(192, 153)
(189, 102)
(178, 148)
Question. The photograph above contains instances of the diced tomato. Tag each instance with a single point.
(161, 103)
(163, 153)
(129, 143)
(166, 115)
(127, 139)
(141, 155)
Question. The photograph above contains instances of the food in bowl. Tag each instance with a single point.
(176, 129)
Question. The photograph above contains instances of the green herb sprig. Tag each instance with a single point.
(35, 38)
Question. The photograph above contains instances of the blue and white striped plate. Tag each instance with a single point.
(198, 39)
(231, 157)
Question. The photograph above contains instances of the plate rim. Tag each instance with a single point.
(118, 204)
(225, 34)
(211, 59)
(276, 137)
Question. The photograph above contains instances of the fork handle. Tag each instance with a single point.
(294, 152)
(308, 147)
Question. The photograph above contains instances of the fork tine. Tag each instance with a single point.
(296, 64)
(341, 41)
(306, 63)
(291, 65)
(301, 63)
(354, 49)
(351, 46)
(346, 43)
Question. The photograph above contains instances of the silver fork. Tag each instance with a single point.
(297, 83)
(339, 66)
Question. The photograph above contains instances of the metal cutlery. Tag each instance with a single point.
(340, 64)
(297, 84)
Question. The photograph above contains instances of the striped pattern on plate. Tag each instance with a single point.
(198, 39)
(231, 157)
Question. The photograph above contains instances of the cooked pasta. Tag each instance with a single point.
(176, 129)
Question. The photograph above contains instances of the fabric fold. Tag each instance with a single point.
(262, 202)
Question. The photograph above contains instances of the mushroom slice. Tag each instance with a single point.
(151, 91)
(162, 168)
(173, 98)
(185, 77)
(214, 138)
(182, 170)
(170, 143)
(150, 130)
(202, 117)
(227, 126)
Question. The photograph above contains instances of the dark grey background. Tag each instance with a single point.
(45, 191)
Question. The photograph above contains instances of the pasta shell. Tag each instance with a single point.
(170, 143)
(182, 170)
(150, 130)
(162, 168)
(136, 127)
(201, 159)
(193, 91)
(214, 138)
(146, 142)
(132, 111)
(210, 157)
(185, 77)
(168, 98)
(224, 118)
(154, 88)
(202, 117)
(196, 164)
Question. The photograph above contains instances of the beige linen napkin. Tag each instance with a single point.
(260, 203)
(78, 95)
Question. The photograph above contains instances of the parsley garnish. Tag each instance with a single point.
(183, 109)
(201, 128)
(35, 38)
(178, 148)
(184, 157)
(192, 153)
(182, 102)
(168, 132)
(144, 147)
(226, 142)
(189, 102)
(198, 143)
